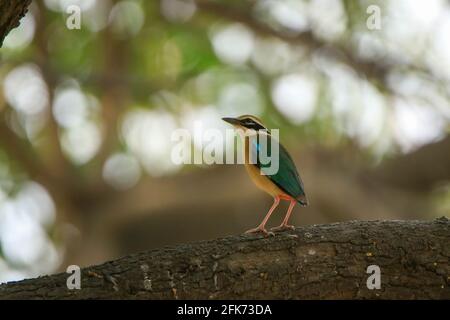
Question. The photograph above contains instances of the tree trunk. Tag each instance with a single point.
(314, 262)
(11, 11)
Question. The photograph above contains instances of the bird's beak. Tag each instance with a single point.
(232, 121)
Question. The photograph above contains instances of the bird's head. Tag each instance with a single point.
(247, 122)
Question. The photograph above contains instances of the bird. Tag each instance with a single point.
(284, 184)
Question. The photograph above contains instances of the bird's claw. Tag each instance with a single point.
(282, 227)
(260, 230)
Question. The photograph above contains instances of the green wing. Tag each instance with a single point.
(287, 177)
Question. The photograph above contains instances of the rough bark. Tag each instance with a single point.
(11, 11)
(320, 261)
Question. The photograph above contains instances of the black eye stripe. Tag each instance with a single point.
(255, 126)
(250, 122)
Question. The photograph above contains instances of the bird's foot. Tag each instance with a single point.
(282, 227)
(260, 230)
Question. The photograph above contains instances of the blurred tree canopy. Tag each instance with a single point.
(86, 117)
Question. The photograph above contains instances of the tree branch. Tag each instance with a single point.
(320, 261)
(11, 13)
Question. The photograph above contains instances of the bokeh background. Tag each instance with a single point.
(86, 118)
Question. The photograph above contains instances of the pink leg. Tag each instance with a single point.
(261, 228)
(284, 225)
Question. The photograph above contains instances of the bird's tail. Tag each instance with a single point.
(302, 200)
